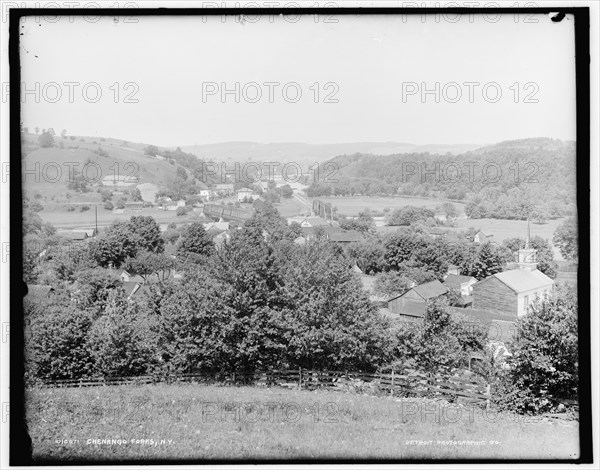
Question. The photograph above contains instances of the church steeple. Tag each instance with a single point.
(527, 255)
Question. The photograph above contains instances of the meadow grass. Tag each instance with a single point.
(202, 422)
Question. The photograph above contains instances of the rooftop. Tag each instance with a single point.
(430, 290)
(523, 280)
(456, 280)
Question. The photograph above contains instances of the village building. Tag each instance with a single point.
(412, 305)
(464, 284)
(512, 292)
(245, 195)
(480, 237)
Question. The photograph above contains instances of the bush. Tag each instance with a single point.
(183, 210)
(544, 368)
(70, 208)
(109, 206)
(84, 208)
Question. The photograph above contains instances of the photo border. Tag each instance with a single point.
(20, 442)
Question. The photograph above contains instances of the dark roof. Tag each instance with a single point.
(73, 235)
(170, 249)
(131, 288)
(37, 290)
(430, 290)
(346, 237)
(500, 327)
(455, 280)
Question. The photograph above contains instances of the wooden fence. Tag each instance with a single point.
(407, 383)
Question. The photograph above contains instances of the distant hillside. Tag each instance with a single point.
(509, 180)
(307, 154)
(108, 157)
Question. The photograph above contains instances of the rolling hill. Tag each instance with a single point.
(307, 154)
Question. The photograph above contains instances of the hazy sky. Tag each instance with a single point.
(375, 67)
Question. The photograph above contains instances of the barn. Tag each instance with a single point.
(412, 305)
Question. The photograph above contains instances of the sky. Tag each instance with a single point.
(181, 81)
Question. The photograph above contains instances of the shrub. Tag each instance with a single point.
(109, 206)
(84, 208)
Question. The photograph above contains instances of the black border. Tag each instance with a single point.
(20, 443)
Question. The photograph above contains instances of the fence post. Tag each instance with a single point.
(392, 389)
(300, 377)
(488, 392)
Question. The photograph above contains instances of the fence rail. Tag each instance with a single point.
(406, 383)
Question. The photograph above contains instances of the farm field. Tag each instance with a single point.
(63, 219)
(351, 206)
(201, 422)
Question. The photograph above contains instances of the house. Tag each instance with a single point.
(464, 284)
(207, 194)
(512, 292)
(300, 241)
(437, 233)
(345, 237)
(314, 222)
(134, 205)
(76, 236)
(258, 203)
(38, 291)
(90, 232)
(221, 226)
(413, 303)
(245, 195)
(481, 237)
(224, 189)
(125, 276)
(171, 250)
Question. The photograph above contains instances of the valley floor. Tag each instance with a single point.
(199, 422)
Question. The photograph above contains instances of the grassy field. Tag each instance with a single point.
(351, 206)
(199, 422)
(63, 219)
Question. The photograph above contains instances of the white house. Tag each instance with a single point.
(245, 194)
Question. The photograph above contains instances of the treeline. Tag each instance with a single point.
(517, 179)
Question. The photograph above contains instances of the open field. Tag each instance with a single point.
(63, 219)
(190, 421)
(351, 206)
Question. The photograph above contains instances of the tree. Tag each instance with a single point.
(58, 343)
(369, 256)
(181, 173)
(449, 210)
(151, 150)
(489, 260)
(46, 140)
(440, 342)
(544, 368)
(149, 231)
(147, 264)
(195, 241)
(121, 342)
(63, 134)
(116, 244)
(92, 288)
(544, 253)
(391, 284)
(136, 194)
(37, 130)
(287, 191)
(566, 238)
